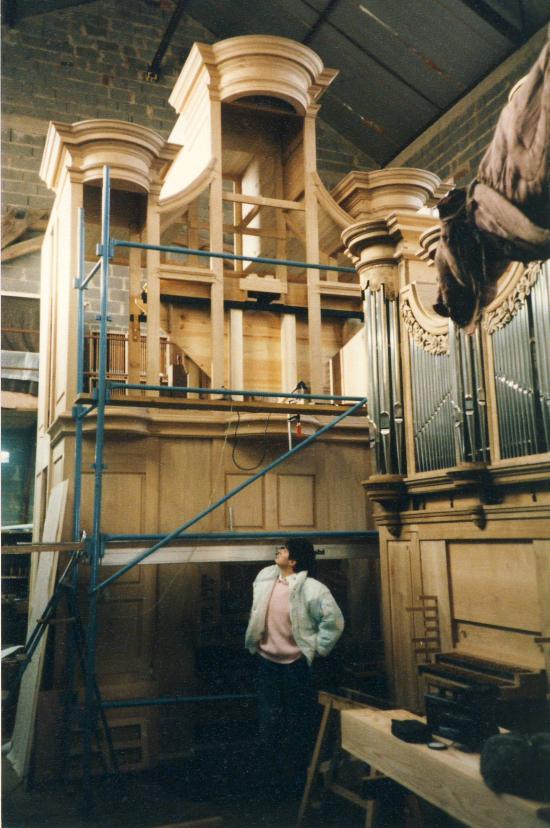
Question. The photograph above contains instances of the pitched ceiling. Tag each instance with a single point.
(402, 64)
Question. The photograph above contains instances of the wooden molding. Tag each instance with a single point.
(424, 329)
(364, 194)
(87, 146)
(505, 307)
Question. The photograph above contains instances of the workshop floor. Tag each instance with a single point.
(162, 797)
(222, 787)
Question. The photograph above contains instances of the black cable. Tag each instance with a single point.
(235, 445)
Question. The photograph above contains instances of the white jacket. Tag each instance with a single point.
(316, 620)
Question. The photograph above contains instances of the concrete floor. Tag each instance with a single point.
(162, 797)
(225, 785)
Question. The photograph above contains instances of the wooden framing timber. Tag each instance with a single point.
(248, 406)
(29, 548)
(262, 201)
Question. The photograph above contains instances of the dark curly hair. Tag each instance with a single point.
(301, 550)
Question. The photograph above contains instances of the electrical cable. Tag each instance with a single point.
(189, 559)
(236, 443)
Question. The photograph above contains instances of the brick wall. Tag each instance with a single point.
(90, 62)
(453, 146)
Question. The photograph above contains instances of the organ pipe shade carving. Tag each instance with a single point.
(384, 387)
(521, 353)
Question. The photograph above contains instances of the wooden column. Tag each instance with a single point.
(289, 368)
(312, 255)
(216, 244)
(236, 346)
(153, 292)
(134, 328)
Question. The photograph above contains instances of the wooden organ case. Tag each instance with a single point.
(237, 175)
(462, 460)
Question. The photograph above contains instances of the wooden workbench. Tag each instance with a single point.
(449, 779)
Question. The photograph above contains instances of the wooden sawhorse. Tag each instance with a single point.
(374, 784)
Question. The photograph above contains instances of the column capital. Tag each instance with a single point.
(377, 193)
(390, 219)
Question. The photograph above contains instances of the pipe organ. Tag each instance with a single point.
(237, 177)
(460, 454)
(433, 408)
(521, 351)
(459, 431)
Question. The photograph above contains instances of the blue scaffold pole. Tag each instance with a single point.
(79, 413)
(232, 257)
(179, 532)
(90, 711)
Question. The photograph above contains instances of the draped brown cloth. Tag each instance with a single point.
(505, 214)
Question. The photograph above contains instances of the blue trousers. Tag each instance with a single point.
(286, 712)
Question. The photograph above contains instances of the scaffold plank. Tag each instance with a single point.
(263, 406)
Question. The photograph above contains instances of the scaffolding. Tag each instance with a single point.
(102, 395)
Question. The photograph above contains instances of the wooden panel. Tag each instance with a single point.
(247, 508)
(511, 646)
(185, 482)
(121, 625)
(122, 502)
(541, 550)
(342, 505)
(495, 584)
(296, 499)
(401, 596)
(262, 355)
(353, 365)
(435, 581)
(42, 590)
(190, 331)
(177, 609)
(127, 619)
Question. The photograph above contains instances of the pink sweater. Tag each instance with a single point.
(277, 643)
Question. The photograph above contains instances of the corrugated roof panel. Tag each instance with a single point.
(423, 65)
(386, 96)
(283, 18)
(369, 138)
(401, 63)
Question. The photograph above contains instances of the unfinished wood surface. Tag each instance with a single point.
(261, 405)
(312, 254)
(435, 582)
(263, 201)
(296, 500)
(217, 354)
(197, 552)
(342, 507)
(136, 306)
(41, 590)
(236, 350)
(153, 293)
(541, 551)
(448, 779)
(289, 373)
(495, 584)
(23, 248)
(120, 488)
(402, 595)
(503, 645)
(182, 460)
(245, 510)
(27, 548)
